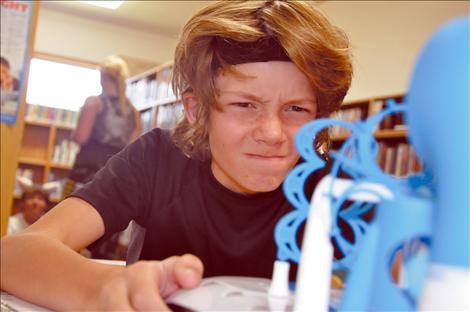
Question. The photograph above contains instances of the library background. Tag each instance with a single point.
(77, 37)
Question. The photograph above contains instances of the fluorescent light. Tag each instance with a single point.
(105, 4)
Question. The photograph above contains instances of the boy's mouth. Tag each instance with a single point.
(267, 157)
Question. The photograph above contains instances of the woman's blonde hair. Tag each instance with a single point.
(116, 67)
(319, 49)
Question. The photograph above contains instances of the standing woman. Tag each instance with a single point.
(107, 123)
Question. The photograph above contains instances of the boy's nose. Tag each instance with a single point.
(269, 129)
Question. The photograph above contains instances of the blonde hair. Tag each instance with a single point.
(319, 49)
(116, 67)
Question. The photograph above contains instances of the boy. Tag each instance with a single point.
(250, 74)
(34, 203)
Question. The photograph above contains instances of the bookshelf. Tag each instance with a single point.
(47, 152)
(152, 94)
(395, 156)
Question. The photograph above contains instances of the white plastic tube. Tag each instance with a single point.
(314, 275)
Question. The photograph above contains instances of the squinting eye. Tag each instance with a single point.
(243, 104)
(298, 109)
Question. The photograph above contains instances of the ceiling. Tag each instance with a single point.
(164, 17)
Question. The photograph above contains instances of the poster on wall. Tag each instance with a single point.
(16, 19)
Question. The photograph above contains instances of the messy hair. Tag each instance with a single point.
(319, 49)
(116, 67)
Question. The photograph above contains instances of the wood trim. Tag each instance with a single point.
(48, 125)
(32, 161)
(391, 134)
(151, 71)
(12, 135)
(59, 166)
(379, 135)
(391, 96)
(50, 150)
(366, 101)
(64, 59)
(147, 73)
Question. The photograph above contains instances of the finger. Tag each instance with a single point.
(142, 282)
(188, 271)
(180, 272)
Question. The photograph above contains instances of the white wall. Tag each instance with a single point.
(92, 40)
(386, 37)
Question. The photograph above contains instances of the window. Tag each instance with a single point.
(61, 85)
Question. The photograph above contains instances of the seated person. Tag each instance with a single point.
(34, 203)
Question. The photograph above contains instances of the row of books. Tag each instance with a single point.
(142, 91)
(162, 116)
(56, 116)
(399, 159)
(65, 153)
(390, 122)
(168, 115)
(148, 91)
(348, 115)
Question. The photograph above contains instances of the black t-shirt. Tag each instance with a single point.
(184, 209)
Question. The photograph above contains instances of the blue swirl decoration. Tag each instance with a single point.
(357, 159)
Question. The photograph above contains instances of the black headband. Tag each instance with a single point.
(263, 50)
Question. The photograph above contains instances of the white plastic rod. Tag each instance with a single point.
(280, 280)
(314, 275)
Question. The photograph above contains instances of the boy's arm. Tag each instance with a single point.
(42, 266)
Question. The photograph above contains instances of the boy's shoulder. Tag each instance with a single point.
(155, 136)
(158, 142)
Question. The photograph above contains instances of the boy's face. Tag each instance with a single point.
(252, 136)
(34, 206)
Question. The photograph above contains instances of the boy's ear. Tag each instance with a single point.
(190, 103)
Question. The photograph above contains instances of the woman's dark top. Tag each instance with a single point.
(110, 133)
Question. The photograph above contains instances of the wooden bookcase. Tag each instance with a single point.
(46, 152)
(396, 156)
(37, 148)
(151, 93)
(11, 134)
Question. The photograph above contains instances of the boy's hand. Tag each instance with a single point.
(143, 285)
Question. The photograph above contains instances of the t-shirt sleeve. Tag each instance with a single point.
(121, 190)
